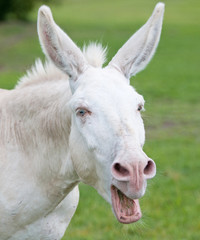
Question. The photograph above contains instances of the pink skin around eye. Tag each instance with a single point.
(82, 112)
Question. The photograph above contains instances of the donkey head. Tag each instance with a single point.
(107, 133)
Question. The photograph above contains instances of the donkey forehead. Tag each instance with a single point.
(100, 86)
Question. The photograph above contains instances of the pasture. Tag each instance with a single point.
(171, 88)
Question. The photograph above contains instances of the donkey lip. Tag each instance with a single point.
(126, 210)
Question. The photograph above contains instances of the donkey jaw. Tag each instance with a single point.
(126, 210)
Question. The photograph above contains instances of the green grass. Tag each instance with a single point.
(171, 87)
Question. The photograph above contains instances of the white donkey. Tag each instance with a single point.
(70, 121)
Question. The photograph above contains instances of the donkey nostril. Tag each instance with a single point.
(120, 170)
(150, 169)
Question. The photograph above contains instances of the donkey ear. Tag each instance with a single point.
(137, 52)
(57, 45)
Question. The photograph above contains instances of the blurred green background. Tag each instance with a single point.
(171, 87)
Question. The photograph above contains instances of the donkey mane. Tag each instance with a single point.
(94, 53)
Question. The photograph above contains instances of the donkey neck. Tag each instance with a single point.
(37, 123)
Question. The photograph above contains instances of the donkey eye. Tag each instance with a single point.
(81, 112)
(140, 107)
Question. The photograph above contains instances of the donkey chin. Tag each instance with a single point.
(128, 185)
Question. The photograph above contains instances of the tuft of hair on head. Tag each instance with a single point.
(95, 54)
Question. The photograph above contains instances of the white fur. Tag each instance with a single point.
(41, 73)
(95, 54)
(47, 147)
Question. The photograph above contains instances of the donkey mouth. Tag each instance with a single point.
(126, 210)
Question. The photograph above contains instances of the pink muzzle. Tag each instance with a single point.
(128, 185)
